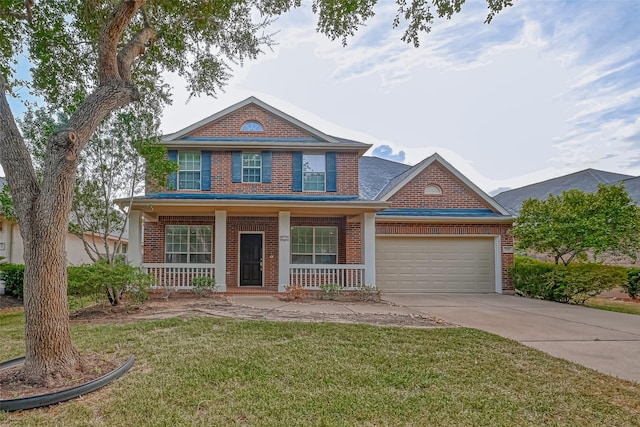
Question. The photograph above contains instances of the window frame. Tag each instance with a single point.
(189, 252)
(183, 163)
(305, 173)
(258, 156)
(314, 254)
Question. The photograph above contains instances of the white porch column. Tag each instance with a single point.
(221, 250)
(369, 248)
(284, 249)
(134, 252)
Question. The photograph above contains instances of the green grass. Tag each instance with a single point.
(221, 372)
(611, 305)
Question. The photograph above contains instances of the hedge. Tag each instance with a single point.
(574, 283)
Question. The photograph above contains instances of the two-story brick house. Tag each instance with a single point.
(262, 200)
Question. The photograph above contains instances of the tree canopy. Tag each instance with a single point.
(575, 224)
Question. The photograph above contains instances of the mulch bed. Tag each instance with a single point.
(9, 302)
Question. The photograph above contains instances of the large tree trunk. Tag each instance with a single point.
(43, 209)
(50, 354)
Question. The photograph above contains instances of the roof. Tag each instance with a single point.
(632, 185)
(586, 180)
(375, 173)
(318, 139)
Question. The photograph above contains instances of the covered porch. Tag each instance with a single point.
(255, 245)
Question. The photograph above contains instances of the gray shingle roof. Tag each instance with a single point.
(375, 173)
(632, 185)
(586, 180)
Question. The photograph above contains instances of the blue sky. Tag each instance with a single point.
(549, 87)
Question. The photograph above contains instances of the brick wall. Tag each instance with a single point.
(281, 176)
(229, 126)
(455, 194)
(502, 230)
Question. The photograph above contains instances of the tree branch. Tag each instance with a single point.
(15, 158)
(110, 37)
(133, 49)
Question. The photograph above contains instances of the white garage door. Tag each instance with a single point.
(435, 264)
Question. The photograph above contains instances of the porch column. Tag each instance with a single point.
(369, 248)
(134, 252)
(284, 249)
(221, 250)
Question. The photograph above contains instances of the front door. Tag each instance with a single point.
(251, 259)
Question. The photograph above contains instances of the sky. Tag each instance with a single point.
(549, 87)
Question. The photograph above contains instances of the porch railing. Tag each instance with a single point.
(178, 276)
(312, 276)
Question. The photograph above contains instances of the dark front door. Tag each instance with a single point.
(251, 260)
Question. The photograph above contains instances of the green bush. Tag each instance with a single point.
(13, 276)
(329, 291)
(574, 283)
(528, 277)
(632, 286)
(101, 278)
(203, 285)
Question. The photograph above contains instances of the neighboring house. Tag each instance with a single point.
(262, 201)
(586, 181)
(12, 249)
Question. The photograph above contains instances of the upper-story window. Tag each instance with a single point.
(189, 171)
(251, 126)
(314, 171)
(251, 167)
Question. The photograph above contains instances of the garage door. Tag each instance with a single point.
(429, 264)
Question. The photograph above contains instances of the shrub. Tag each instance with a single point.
(632, 286)
(574, 283)
(329, 291)
(203, 285)
(368, 293)
(13, 276)
(102, 278)
(294, 292)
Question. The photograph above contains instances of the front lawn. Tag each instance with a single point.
(221, 372)
(613, 305)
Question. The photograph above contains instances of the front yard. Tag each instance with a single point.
(212, 371)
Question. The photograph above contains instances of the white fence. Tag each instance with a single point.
(178, 276)
(312, 276)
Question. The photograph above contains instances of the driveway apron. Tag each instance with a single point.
(602, 340)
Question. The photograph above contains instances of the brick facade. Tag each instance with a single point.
(229, 126)
(455, 194)
(153, 248)
(281, 176)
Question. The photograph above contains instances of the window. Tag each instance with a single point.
(189, 171)
(314, 245)
(251, 167)
(313, 172)
(188, 244)
(433, 189)
(251, 126)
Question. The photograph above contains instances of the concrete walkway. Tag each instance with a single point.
(605, 341)
(602, 340)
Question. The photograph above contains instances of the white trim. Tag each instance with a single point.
(435, 157)
(284, 249)
(369, 248)
(134, 254)
(446, 219)
(498, 263)
(251, 100)
(220, 251)
(240, 252)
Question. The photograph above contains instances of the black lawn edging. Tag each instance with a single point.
(32, 402)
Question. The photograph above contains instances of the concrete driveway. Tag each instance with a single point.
(605, 341)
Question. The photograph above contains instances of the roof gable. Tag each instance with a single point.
(228, 122)
(457, 192)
